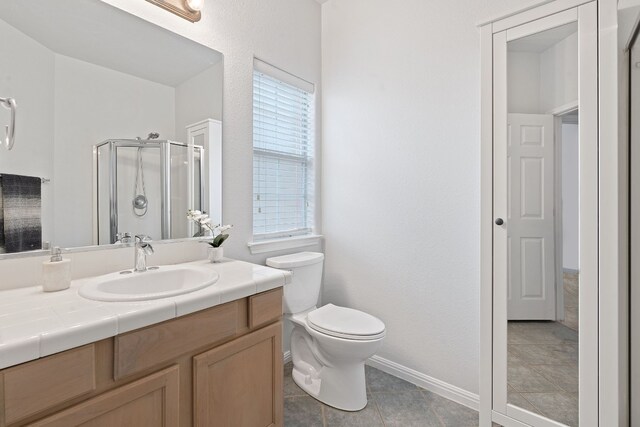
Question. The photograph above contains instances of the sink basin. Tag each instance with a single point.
(157, 282)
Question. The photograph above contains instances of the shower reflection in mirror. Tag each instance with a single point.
(146, 186)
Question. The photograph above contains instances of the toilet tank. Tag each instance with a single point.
(306, 269)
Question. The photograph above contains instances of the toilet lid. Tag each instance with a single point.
(345, 322)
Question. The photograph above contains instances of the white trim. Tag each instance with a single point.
(264, 246)
(564, 109)
(558, 217)
(634, 153)
(449, 391)
(506, 421)
(612, 229)
(530, 418)
(496, 18)
(535, 12)
(441, 388)
(486, 226)
(556, 20)
(282, 75)
(589, 195)
(95, 238)
(500, 209)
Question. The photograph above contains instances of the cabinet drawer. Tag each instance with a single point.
(151, 401)
(265, 308)
(145, 348)
(35, 386)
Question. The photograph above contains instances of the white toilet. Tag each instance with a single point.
(330, 344)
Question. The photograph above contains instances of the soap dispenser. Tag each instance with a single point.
(56, 272)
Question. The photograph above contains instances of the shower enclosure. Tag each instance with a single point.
(146, 187)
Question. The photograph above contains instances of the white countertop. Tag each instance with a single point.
(35, 324)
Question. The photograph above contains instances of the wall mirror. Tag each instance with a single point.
(118, 127)
(545, 218)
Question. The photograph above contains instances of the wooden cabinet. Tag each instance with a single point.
(218, 367)
(238, 384)
(33, 387)
(151, 401)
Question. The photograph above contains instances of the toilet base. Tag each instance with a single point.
(342, 387)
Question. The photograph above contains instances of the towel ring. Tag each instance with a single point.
(10, 130)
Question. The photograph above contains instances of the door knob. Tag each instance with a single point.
(499, 221)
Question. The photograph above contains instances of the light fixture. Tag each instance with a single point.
(187, 9)
(194, 5)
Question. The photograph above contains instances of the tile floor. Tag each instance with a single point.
(571, 296)
(392, 402)
(542, 372)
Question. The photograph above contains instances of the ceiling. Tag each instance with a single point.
(92, 31)
(539, 42)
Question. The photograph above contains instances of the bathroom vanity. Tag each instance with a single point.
(219, 365)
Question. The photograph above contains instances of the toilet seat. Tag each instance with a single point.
(346, 323)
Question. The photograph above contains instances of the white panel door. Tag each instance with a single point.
(530, 217)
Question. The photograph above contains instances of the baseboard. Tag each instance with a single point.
(570, 271)
(451, 392)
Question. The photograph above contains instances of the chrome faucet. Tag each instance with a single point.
(142, 249)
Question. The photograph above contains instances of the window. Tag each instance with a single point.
(283, 153)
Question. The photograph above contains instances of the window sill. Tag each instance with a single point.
(264, 246)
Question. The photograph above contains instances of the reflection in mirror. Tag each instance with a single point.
(118, 126)
(543, 218)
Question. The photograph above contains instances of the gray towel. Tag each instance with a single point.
(20, 220)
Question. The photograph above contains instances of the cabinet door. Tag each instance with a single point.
(149, 402)
(239, 384)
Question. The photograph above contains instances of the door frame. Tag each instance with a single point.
(600, 400)
(558, 118)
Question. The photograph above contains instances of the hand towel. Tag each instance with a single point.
(21, 213)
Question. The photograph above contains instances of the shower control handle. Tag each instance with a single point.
(499, 221)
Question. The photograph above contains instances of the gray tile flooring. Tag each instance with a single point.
(571, 296)
(542, 369)
(392, 402)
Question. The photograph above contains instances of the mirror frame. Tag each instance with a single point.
(494, 36)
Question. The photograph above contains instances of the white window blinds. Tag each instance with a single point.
(283, 151)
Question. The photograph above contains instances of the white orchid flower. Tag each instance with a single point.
(222, 228)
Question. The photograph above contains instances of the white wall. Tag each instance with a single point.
(401, 191)
(559, 74)
(198, 99)
(523, 82)
(111, 104)
(539, 82)
(570, 200)
(26, 74)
